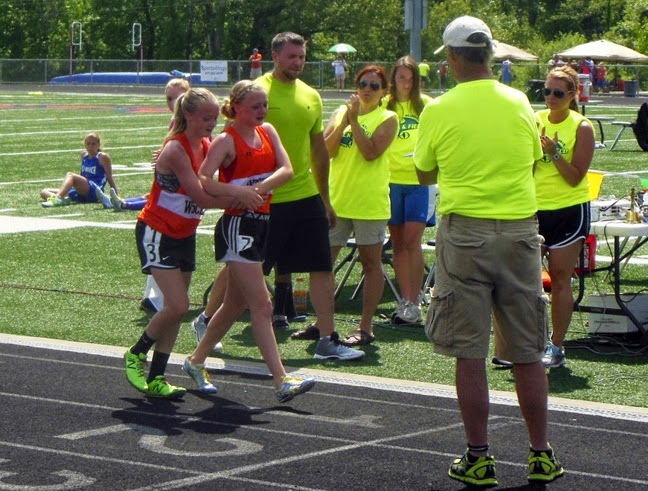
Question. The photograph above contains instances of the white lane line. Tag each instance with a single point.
(74, 132)
(45, 152)
(608, 411)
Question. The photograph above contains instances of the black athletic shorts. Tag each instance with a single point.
(565, 226)
(157, 250)
(241, 238)
(298, 241)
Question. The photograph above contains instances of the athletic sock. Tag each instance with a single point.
(143, 345)
(158, 365)
(281, 294)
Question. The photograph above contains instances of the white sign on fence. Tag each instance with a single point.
(213, 71)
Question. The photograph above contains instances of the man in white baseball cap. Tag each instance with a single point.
(480, 141)
(466, 32)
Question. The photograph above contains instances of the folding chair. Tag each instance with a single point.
(639, 127)
(353, 257)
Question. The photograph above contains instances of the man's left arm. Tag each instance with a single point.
(320, 165)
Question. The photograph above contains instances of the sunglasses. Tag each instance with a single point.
(556, 92)
(363, 84)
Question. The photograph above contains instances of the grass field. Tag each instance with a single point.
(78, 278)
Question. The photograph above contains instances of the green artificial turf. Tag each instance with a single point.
(84, 283)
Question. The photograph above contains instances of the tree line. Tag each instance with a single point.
(229, 29)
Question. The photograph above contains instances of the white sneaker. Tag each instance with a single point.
(554, 357)
(410, 314)
(399, 309)
(103, 199)
(199, 326)
(330, 348)
(116, 201)
(200, 376)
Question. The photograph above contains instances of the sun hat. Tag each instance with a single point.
(456, 33)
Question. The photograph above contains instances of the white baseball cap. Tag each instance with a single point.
(456, 33)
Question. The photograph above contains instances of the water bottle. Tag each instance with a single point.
(300, 296)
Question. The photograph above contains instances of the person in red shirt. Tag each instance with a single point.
(249, 156)
(255, 64)
(166, 235)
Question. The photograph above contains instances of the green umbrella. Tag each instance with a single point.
(342, 48)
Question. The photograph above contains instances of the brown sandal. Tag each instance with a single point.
(358, 338)
(311, 332)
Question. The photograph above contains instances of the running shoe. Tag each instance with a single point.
(409, 313)
(501, 362)
(481, 472)
(147, 306)
(554, 356)
(293, 386)
(103, 198)
(399, 309)
(135, 370)
(329, 348)
(116, 201)
(159, 387)
(53, 201)
(199, 327)
(280, 323)
(544, 466)
(200, 377)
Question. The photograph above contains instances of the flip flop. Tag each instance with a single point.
(358, 338)
(311, 332)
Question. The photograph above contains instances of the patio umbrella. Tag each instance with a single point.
(342, 48)
(604, 50)
(503, 51)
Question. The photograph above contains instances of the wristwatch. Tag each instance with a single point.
(555, 157)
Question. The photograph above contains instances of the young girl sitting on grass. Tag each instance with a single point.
(87, 187)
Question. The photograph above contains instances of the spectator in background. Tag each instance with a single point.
(358, 137)
(507, 72)
(255, 64)
(562, 194)
(88, 185)
(409, 200)
(340, 69)
(487, 247)
(443, 75)
(601, 77)
(555, 61)
(424, 70)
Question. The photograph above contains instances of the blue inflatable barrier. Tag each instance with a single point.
(123, 78)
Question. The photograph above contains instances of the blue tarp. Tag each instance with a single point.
(121, 78)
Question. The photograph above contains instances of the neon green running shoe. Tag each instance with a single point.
(481, 472)
(544, 466)
(159, 387)
(53, 201)
(135, 370)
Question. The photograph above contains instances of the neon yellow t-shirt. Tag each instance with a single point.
(482, 136)
(424, 69)
(401, 164)
(359, 188)
(552, 191)
(295, 110)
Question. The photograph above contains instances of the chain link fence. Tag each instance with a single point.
(318, 74)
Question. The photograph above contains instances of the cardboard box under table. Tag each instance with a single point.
(619, 304)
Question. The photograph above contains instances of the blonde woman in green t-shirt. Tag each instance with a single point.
(562, 195)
